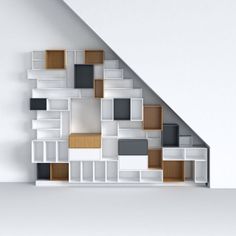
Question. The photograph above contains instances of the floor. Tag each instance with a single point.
(29, 210)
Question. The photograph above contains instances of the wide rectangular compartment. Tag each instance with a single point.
(133, 162)
(86, 154)
(132, 147)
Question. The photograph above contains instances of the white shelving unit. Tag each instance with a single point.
(101, 165)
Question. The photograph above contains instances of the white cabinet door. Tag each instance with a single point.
(84, 154)
(133, 162)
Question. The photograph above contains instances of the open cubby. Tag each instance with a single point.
(87, 171)
(107, 109)
(155, 158)
(62, 151)
(51, 151)
(37, 151)
(121, 109)
(129, 176)
(153, 117)
(170, 135)
(109, 147)
(83, 76)
(98, 88)
(43, 171)
(55, 59)
(112, 171)
(99, 171)
(59, 171)
(75, 171)
(94, 56)
(173, 171)
(152, 176)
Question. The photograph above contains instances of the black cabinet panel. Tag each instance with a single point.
(170, 135)
(132, 147)
(84, 76)
(38, 104)
(121, 109)
(43, 171)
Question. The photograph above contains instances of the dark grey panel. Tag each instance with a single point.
(84, 76)
(170, 135)
(121, 109)
(132, 147)
(38, 104)
(43, 171)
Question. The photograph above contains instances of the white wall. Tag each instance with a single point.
(28, 25)
(186, 52)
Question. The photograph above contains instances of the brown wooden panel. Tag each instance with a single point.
(173, 170)
(55, 59)
(98, 88)
(153, 117)
(155, 158)
(92, 140)
(94, 56)
(59, 171)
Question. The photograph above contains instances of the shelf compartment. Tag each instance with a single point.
(45, 84)
(112, 171)
(153, 117)
(118, 83)
(113, 73)
(136, 109)
(83, 76)
(59, 171)
(62, 151)
(46, 124)
(173, 154)
(38, 55)
(106, 109)
(131, 133)
(121, 109)
(58, 105)
(189, 170)
(170, 136)
(87, 171)
(94, 56)
(48, 115)
(48, 134)
(155, 158)
(98, 88)
(152, 176)
(132, 147)
(55, 59)
(109, 147)
(100, 169)
(200, 172)
(133, 162)
(37, 149)
(85, 140)
(129, 176)
(46, 74)
(196, 154)
(111, 64)
(98, 72)
(123, 93)
(173, 171)
(38, 104)
(109, 128)
(75, 171)
(185, 141)
(50, 151)
(43, 171)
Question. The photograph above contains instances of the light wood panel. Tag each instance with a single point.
(173, 171)
(55, 59)
(94, 56)
(98, 88)
(153, 117)
(59, 171)
(155, 158)
(92, 140)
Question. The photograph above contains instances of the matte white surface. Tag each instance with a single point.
(186, 52)
(133, 162)
(86, 154)
(117, 211)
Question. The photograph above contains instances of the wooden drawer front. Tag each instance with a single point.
(94, 57)
(85, 141)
